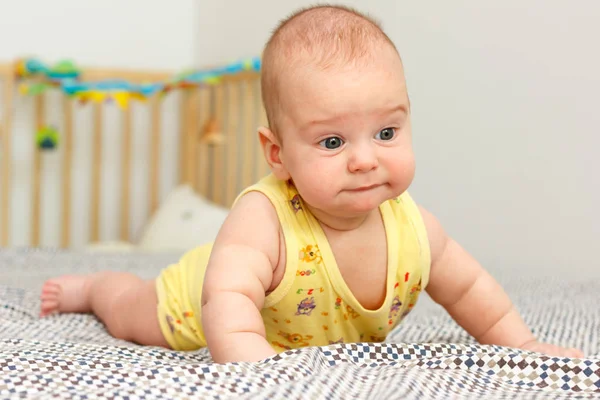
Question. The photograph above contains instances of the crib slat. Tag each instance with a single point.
(6, 146)
(262, 168)
(218, 151)
(184, 98)
(194, 129)
(203, 169)
(249, 135)
(231, 142)
(155, 154)
(96, 173)
(39, 105)
(67, 143)
(126, 173)
(191, 136)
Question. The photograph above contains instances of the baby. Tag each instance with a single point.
(330, 247)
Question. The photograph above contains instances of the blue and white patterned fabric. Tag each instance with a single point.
(427, 356)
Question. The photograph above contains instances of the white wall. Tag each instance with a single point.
(157, 34)
(505, 98)
(229, 29)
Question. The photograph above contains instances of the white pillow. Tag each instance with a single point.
(184, 221)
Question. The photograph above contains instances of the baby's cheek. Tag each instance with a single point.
(404, 170)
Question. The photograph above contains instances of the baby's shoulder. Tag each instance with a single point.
(254, 206)
(252, 223)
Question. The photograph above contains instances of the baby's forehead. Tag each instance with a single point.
(306, 69)
(323, 38)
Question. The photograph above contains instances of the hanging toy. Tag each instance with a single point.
(64, 69)
(212, 134)
(47, 138)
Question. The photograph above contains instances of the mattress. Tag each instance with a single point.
(427, 356)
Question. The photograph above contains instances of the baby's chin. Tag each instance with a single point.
(367, 200)
(359, 206)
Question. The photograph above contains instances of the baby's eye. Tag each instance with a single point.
(331, 143)
(386, 134)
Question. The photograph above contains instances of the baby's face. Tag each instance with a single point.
(346, 135)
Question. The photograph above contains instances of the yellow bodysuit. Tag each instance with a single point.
(312, 306)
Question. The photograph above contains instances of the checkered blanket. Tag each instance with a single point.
(427, 356)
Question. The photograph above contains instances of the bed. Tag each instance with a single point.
(427, 356)
(72, 356)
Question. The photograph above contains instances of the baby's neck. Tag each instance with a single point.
(337, 223)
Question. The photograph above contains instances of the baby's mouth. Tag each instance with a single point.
(365, 188)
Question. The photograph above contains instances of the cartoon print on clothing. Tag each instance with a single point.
(171, 322)
(350, 313)
(338, 303)
(283, 346)
(396, 304)
(295, 202)
(306, 306)
(309, 291)
(413, 296)
(296, 338)
(311, 253)
(307, 272)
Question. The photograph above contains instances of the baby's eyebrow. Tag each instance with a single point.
(400, 108)
(325, 121)
(403, 108)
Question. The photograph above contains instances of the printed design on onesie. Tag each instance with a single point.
(310, 253)
(296, 338)
(350, 313)
(306, 306)
(171, 322)
(175, 323)
(395, 308)
(295, 203)
(338, 303)
(306, 272)
(413, 296)
(281, 345)
(310, 291)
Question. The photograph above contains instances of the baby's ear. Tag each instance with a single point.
(272, 151)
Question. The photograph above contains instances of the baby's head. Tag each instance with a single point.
(335, 96)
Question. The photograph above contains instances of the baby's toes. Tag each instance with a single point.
(51, 288)
(48, 306)
(48, 295)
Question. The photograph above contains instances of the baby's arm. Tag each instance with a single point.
(239, 273)
(473, 297)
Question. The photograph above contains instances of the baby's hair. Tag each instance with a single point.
(324, 36)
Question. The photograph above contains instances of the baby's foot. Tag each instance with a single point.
(66, 294)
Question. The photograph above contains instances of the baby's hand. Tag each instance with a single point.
(552, 350)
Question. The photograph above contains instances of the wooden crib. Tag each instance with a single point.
(214, 125)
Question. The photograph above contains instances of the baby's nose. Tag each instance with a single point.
(363, 159)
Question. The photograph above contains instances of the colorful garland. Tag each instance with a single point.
(65, 76)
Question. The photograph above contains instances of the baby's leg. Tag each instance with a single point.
(125, 303)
